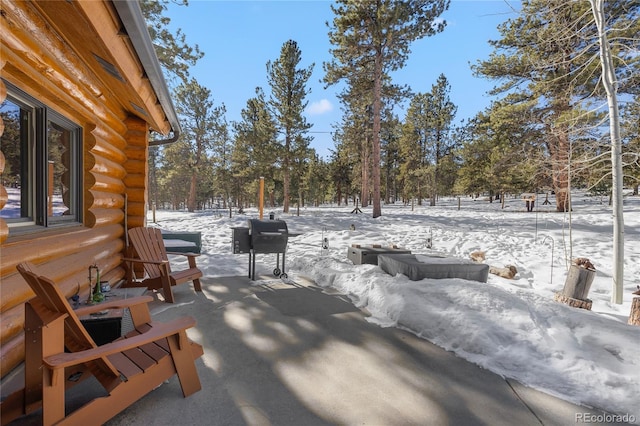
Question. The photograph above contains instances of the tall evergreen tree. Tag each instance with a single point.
(175, 55)
(288, 92)
(372, 39)
(357, 130)
(389, 137)
(440, 114)
(502, 153)
(221, 163)
(200, 128)
(427, 137)
(549, 54)
(341, 168)
(255, 152)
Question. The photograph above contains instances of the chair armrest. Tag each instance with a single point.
(175, 253)
(157, 331)
(114, 304)
(155, 262)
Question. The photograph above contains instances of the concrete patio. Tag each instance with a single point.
(292, 354)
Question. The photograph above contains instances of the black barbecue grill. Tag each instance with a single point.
(262, 236)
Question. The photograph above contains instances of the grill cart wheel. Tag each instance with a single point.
(276, 272)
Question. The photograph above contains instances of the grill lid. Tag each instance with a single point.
(268, 236)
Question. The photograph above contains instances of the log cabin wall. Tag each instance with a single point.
(137, 167)
(39, 61)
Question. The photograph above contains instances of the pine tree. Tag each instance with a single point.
(427, 138)
(372, 39)
(255, 151)
(200, 126)
(549, 55)
(502, 152)
(221, 163)
(175, 55)
(287, 104)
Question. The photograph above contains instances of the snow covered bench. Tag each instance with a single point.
(418, 267)
(182, 242)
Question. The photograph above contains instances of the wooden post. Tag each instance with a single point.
(634, 315)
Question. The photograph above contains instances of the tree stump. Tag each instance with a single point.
(634, 315)
(576, 286)
(576, 303)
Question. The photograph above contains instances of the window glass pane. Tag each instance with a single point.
(60, 168)
(14, 144)
(43, 165)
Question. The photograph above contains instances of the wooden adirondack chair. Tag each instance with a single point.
(127, 368)
(149, 248)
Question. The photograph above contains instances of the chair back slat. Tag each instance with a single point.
(149, 246)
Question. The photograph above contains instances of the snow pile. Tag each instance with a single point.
(511, 327)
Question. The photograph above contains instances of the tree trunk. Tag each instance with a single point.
(577, 285)
(191, 205)
(375, 149)
(560, 165)
(609, 82)
(364, 175)
(287, 175)
(578, 282)
(575, 303)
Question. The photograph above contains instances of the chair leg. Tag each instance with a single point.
(196, 285)
(184, 363)
(166, 283)
(196, 282)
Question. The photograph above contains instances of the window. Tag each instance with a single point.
(43, 170)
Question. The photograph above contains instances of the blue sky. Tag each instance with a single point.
(239, 37)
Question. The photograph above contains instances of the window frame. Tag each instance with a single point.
(34, 160)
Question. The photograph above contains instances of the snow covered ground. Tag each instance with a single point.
(511, 327)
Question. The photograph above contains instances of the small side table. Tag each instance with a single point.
(108, 326)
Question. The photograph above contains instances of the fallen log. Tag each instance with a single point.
(509, 271)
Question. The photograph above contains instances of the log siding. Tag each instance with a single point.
(49, 52)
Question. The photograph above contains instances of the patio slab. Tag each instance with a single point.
(293, 354)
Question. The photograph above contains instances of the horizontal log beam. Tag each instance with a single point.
(107, 200)
(51, 65)
(136, 180)
(102, 217)
(12, 353)
(54, 245)
(114, 140)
